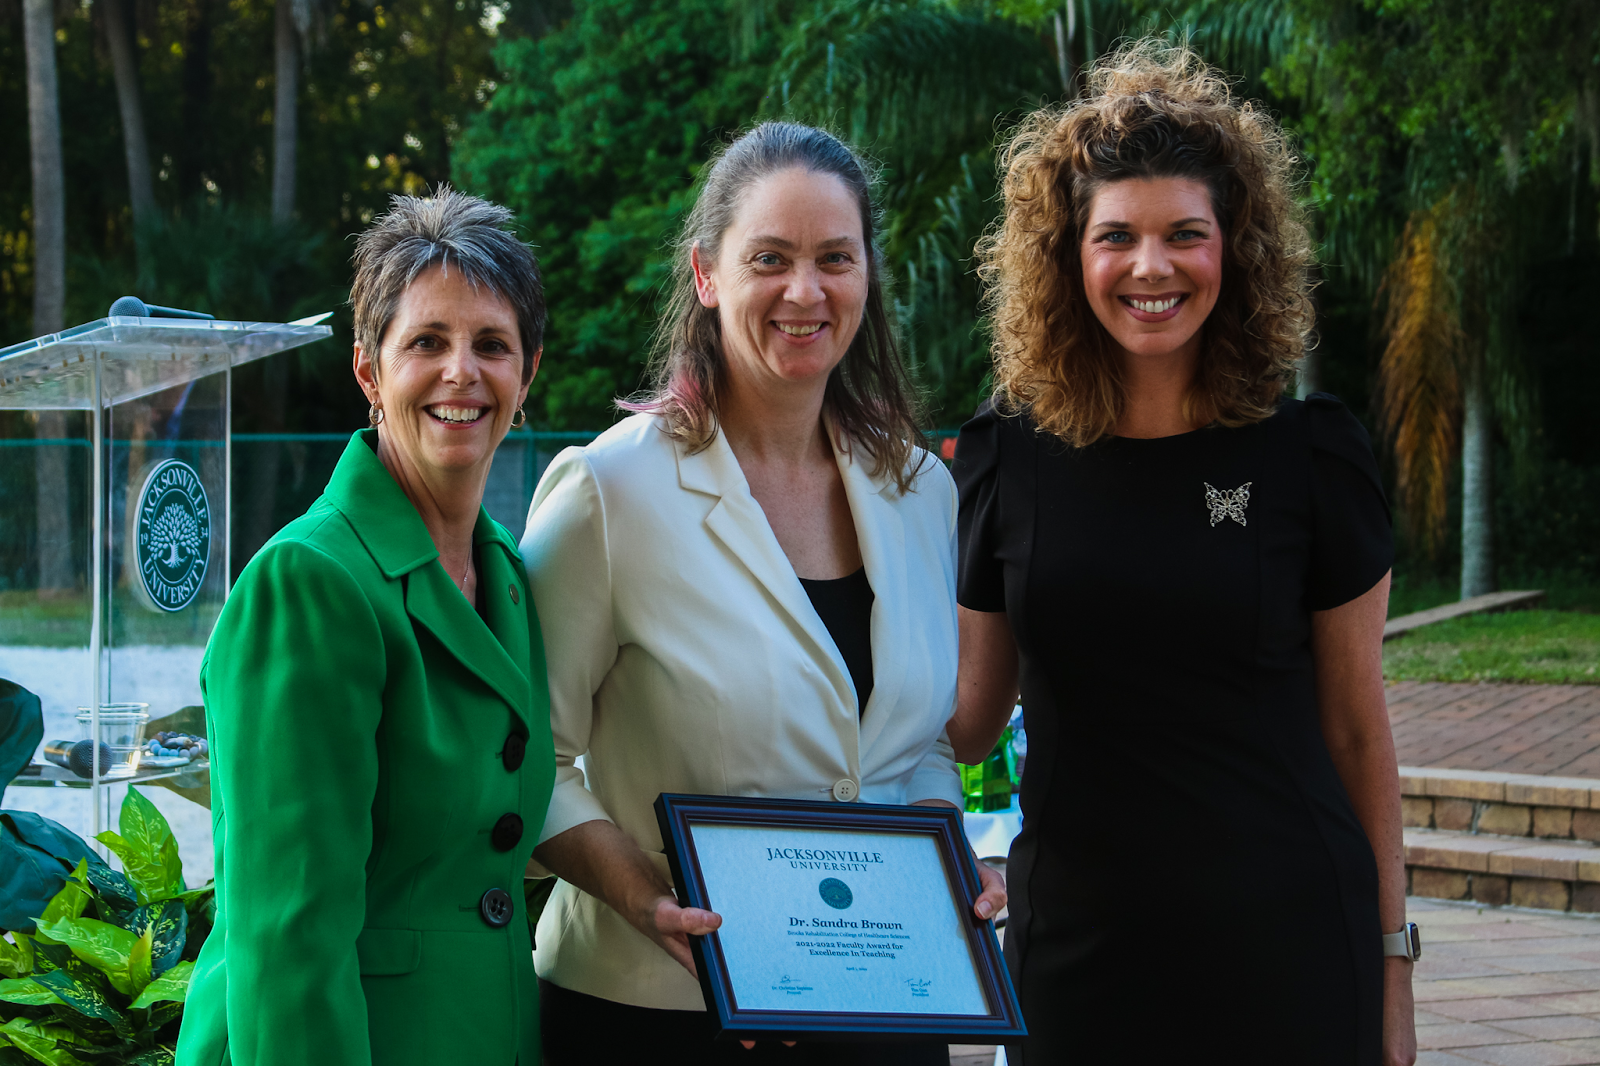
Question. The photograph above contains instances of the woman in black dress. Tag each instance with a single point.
(1186, 575)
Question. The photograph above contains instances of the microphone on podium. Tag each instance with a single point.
(137, 308)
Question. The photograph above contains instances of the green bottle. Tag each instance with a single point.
(997, 776)
(972, 787)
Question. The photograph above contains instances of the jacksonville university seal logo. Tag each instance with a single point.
(835, 893)
(174, 534)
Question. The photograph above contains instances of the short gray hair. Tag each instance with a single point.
(446, 229)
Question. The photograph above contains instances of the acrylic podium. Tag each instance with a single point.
(116, 477)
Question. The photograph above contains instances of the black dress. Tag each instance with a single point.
(1191, 880)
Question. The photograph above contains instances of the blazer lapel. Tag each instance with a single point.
(881, 534)
(392, 531)
(738, 522)
(504, 591)
(434, 602)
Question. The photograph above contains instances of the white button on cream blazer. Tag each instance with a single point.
(685, 656)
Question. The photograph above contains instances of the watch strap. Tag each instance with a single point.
(1406, 943)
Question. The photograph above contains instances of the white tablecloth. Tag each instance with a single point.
(991, 833)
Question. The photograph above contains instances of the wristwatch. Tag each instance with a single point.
(1407, 942)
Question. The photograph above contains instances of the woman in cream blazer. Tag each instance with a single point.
(746, 599)
(687, 658)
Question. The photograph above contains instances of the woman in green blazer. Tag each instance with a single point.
(375, 694)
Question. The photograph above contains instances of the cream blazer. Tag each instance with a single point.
(685, 656)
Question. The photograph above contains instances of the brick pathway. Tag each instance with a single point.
(1506, 987)
(1527, 729)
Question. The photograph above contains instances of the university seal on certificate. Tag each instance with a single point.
(847, 921)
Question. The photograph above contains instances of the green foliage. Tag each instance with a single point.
(1545, 647)
(592, 119)
(147, 848)
(924, 87)
(594, 138)
(104, 977)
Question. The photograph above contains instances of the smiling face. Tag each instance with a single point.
(449, 378)
(1152, 264)
(790, 282)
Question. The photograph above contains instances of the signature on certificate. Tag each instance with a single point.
(919, 986)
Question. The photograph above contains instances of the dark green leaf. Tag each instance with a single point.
(48, 955)
(40, 1042)
(170, 921)
(91, 1032)
(163, 1013)
(113, 887)
(87, 999)
(160, 1056)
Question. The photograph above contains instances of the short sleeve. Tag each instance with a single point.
(1352, 540)
(980, 577)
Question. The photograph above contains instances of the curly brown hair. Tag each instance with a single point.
(1153, 110)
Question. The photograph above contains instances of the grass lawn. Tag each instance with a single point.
(1547, 647)
(1411, 592)
(63, 621)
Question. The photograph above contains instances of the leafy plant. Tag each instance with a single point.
(103, 977)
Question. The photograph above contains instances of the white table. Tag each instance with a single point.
(991, 833)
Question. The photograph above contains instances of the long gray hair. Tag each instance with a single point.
(869, 399)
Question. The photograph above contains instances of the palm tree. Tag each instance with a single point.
(1437, 134)
(926, 87)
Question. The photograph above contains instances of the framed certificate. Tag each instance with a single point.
(843, 921)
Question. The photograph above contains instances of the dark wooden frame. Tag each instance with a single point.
(677, 813)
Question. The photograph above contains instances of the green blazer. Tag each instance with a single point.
(365, 725)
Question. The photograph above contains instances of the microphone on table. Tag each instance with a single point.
(137, 308)
(78, 756)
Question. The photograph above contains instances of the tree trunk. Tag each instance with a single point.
(1309, 377)
(197, 85)
(1064, 53)
(49, 283)
(266, 455)
(53, 518)
(1477, 493)
(286, 45)
(135, 145)
(49, 199)
(442, 132)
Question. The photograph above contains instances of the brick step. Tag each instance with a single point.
(1495, 870)
(1498, 838)
(1500, 804)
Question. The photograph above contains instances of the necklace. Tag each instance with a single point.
(466, 574)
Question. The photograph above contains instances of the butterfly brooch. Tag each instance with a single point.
(1228, 504)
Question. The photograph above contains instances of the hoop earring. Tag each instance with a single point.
(522, 415)
(375, 416)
